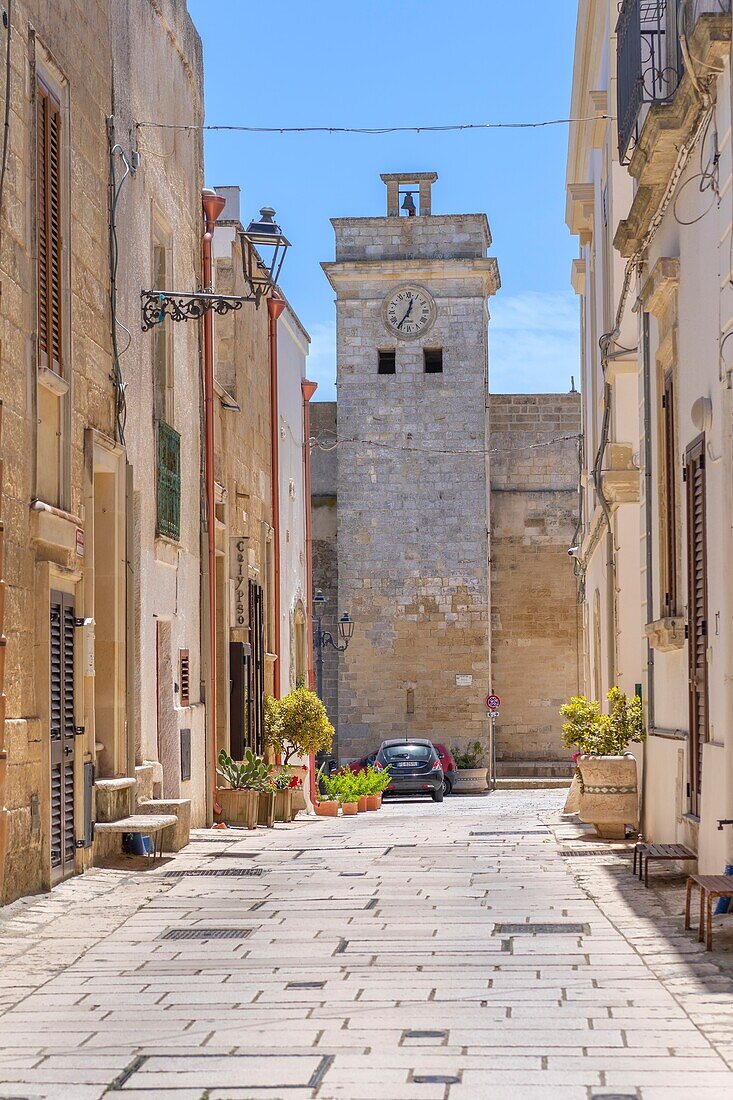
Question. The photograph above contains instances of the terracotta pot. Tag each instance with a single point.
(362, 804)
(238, 807)
(379, 802)
(284, 805)
(372, 801)
(266, 809)
(327, 809)
(470, 780)
(349, 809)
(610, 796)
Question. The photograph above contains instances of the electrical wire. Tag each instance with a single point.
(120, 385)
(332, 443)
(6, 119)
(370, 130)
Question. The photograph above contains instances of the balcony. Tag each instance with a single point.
(168, 483)
(650, 62)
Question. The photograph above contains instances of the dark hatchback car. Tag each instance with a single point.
(414, 767)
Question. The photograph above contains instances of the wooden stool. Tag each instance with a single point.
(646, 852)
(710, 886)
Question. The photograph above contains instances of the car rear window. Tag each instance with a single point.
(407, 752)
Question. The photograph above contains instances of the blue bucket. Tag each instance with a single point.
(137, 845)
(723, 905)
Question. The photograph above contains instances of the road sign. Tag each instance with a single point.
(493, 702)
(492, 714)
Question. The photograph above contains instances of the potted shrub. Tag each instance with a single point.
(607, 788)
(239, 800)
(471, 769)
(297, 726)
(376, 782)
(361, 790)
(282, 782)
(343, 786)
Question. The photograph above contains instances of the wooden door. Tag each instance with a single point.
(697, 614)
(63, 732)
(256, 670)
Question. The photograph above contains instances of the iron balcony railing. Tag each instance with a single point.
(649, 56)
(168, 488)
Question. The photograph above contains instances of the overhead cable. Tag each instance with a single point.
(376, 129)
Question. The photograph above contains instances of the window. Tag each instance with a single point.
(387, 362)
(169, 482)
(670, 498)
(162, 379)
(48, 212)
(433, 359)
(184, 677)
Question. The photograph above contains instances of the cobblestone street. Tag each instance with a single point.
(379, 957)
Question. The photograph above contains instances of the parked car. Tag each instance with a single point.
(414, 767)
(447, 763)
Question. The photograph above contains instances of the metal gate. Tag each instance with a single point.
(256, 669)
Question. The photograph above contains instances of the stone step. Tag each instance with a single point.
(113, 798)
(145, 776)
(549, 769)
(531, 783)
(181, 807)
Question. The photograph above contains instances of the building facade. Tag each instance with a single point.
(402, 517)
(649, 197)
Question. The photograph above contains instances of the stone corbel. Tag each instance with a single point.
(662, 283)
(620, 480)
(599, 101)
(581, 202)
(666, 634)
(577, 276)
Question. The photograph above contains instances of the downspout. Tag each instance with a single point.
(3, 697)
(647, 386)
(610, 547)
(308, 388)
(213, 205)
(275, 307)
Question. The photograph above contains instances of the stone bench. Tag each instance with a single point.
(181, 808)
(152, 825)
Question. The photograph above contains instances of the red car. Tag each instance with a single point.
(447, 763)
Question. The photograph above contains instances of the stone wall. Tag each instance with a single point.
(535, 630)
(324, 527)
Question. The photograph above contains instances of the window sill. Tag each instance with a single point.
(666, 634)
(166, 550)
(52, 381)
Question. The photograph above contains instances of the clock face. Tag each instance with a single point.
(409, 312)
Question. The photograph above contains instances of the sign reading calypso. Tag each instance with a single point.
(238, 568)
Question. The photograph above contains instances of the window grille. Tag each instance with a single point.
(169, 482)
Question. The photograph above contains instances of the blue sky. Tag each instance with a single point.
(372, 63)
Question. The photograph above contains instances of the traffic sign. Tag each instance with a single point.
(492, 714)
(493, 702)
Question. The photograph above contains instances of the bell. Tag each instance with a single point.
(409, 205)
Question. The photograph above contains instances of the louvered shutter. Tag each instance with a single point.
(48, 183)
(57, 778)
(62, 734)
(670, 500)
(697, 614)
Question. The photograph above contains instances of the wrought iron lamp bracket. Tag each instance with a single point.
(327, 639)
(159, 304)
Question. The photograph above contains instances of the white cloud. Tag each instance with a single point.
(322, 359)
(533, 342)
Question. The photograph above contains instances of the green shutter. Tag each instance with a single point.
(169, 482)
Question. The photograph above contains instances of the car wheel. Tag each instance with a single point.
(447, 787)
(438, 795)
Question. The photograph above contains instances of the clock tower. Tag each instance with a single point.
(413, 470)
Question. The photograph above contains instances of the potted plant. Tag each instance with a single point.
(376, 782)
(282, 782)
(606, 772)
(343, 787)
(361, 791)
(297, 726)
(471, 769)
(239, 800)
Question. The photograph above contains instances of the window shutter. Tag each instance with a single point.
(670, 498)
(185, 677)
(48, 126)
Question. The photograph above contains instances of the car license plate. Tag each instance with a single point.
(404, 764)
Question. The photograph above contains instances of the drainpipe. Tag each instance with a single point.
(648, 517)
(610, 544)
(275, 307)
(308, 388)
(3, 699)
(213, 205)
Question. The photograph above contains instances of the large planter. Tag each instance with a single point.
(470, 780)
(327, 809)
(266, 809)
(284, 805)
(299, 802)
(572, 802)
(610, 795)
(238, 807)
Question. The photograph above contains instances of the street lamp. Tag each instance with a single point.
(262, 240)
(323, 638)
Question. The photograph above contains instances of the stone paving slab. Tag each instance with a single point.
(381, 981)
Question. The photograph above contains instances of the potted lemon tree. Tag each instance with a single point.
(297, 726)
(606, 794)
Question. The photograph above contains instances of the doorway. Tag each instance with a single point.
(697, 599)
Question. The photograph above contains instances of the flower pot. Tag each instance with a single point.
(238, 807)
(470, 780)
(572, 802)
(362, 806)
(372, 802)
(349, 809)
(327, 809)
(284, 805)
(610, 796)
(379, 800)
(266, 809)
(299, 802)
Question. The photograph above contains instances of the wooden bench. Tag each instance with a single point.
(646, 852)
(710, 886)
(152, 825)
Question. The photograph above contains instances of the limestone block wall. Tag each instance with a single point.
(324, 528)
(535, 625)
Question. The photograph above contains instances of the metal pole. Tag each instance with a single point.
(319, 659)
(493, 754)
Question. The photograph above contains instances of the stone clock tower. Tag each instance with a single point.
(413, 469)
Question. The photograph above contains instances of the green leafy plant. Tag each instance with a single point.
(250, 774)
(470, 758)
(341, 786)
(378, 779)
(282, 781)
(297, 724)
(592, 733)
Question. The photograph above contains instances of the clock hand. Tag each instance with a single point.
(407, 314)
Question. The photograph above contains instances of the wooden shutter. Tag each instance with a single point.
(62, 734)
(697, 626)
(670, 500)
(184, 666)
(48, 216)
